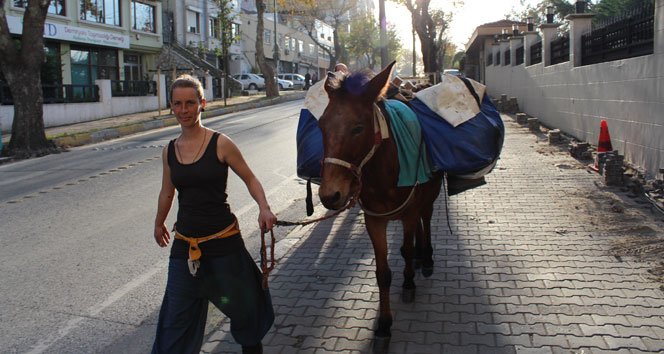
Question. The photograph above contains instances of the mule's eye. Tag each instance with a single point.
(357, 131)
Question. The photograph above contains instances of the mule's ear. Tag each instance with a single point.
(379, 84)
(331, 83)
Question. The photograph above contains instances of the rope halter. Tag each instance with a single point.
(381, 132)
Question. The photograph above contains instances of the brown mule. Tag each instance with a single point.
(361, 158)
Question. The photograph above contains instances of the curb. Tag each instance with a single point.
(79, 139)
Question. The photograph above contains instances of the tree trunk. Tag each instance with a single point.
(426, 31)
(21, 68)
(28, 135)
(271, 89)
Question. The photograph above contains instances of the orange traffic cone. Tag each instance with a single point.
(604, 144)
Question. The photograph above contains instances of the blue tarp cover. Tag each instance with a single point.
(309, 140)
(467, 148)
(470, 146)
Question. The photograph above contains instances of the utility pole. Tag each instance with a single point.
(275, 53)
(383, 33)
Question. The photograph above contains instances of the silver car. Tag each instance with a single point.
(250, 81)
(297, 79)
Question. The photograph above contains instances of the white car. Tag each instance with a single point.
(283, 84)
(250, 81)
(297, 79)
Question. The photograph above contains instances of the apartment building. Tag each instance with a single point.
(86, 40)
(298, 53)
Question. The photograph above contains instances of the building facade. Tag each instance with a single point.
(298, 53)
(88, 40)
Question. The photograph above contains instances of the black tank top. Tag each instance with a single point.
(203, 207)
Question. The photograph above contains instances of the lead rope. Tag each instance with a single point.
(264, 267)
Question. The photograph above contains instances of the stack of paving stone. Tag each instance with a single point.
(533, 124)
(579, 150)
(521, 118)
(554, 136)
(511, 106)
(613, 169)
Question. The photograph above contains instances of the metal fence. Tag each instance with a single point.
(124, 88)
(560, 50)
(519, 56)
(623, 38)
(57, 93)
(536, 53)
(508, 57)
(498, 58)
(489, 59)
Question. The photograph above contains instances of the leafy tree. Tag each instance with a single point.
(603, 9)
(21, 64)
(332, 12)
(431, 26)
(271, 88)
(224, 28)
(607, 9)
(363, 41)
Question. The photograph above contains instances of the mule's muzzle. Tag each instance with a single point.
(332, 201)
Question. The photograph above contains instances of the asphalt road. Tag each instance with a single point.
(79, 269)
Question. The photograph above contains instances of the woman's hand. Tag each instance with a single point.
(161, 235)
(266, 219)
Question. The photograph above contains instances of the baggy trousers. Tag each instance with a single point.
(232, 283)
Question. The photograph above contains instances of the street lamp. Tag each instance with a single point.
(505, 35)
(515, 30)
(530, 24)
(549, 14)
(580, 7)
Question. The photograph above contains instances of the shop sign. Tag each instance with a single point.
(73, 34)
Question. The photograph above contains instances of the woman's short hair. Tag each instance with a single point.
(188, 81)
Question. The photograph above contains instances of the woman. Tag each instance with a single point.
(208, 260)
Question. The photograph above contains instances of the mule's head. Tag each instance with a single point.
(348, 130)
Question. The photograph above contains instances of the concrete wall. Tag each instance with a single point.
(108, 106)
(628, 94)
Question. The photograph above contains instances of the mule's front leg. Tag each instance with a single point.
(410, 224)
(377, 229)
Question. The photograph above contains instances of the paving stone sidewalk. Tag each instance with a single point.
(529, 267)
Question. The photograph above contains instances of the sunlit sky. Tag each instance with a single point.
(467, 17)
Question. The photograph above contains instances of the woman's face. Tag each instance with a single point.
(186, 106)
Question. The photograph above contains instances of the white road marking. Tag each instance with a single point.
(70, 325)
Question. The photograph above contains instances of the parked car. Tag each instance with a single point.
(297, 79)
(283, 84)
(250, 81)
(454, 72)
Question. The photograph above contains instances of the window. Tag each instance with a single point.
(312, 49)
(214, 28)
(102, 11)
(266, 36)
(132, 67)
(293, 40)
(286, 43)
(193, 22)
(89, 64)
(235, 32)
(300, 46)
(57, 7)
(142, 17)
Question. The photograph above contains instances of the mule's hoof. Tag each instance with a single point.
(427, 271)
(381, 344)
(408, 295)
(417, 263)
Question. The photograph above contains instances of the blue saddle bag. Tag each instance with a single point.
(470, 148)
(309, 140)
